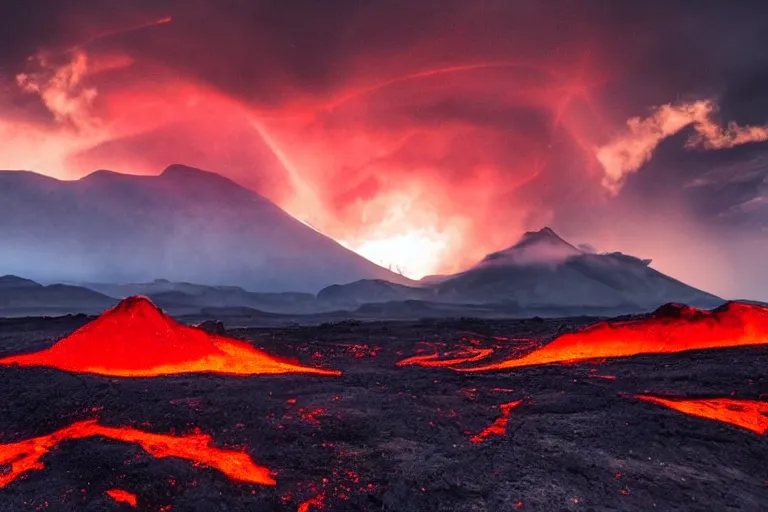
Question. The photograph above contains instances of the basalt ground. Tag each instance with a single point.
(387, 438)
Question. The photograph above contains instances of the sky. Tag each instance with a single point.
(422, 135)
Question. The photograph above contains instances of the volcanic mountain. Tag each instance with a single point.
(176, 297)
(21, 297)
(183, 225)
(136, 339)
(541, 271)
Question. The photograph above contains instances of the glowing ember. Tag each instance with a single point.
(136, 339)
(318, 502)
(749, 414)
(25, 455)
(498, 427)
(672, 328)
(432, 360)
(122, 496)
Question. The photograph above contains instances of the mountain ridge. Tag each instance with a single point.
(540, 270)
(184, 224)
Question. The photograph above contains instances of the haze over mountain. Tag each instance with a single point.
(183, 225)
(24, 297)
(540, 271)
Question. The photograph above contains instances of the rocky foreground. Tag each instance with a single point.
(383, 436)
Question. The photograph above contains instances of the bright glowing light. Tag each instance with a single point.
(414, 254)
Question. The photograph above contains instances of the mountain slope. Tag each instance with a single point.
(183, 225)
(542, 271)
(173, 296)
(22, 297)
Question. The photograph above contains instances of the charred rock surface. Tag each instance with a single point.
(397, 438)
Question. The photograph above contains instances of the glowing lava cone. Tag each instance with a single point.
(671, 328)
(25, 455)
(749, 414)
(137, 339)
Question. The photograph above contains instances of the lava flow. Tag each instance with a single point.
(137, 339)
(748, 414)
(25, 455)
(122, 496)
(498, 427)
(671, 328)
(432, 360)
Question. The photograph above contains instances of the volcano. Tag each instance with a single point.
(541, 274)
(137, 339)
(542, 270)
(671, 328)
(184, 224)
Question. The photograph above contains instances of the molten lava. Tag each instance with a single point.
(122, 496)
(749, 414)
(318, 503)
(671, 328)
(137, 339)
(25, 455)
(498, 427)
(432, 360)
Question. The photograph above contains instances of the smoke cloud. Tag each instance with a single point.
(628, 152)
(422, 135)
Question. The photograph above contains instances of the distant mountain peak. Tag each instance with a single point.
(543, 246)
(11, 281)
(185, 171)
(101, 173)
(544, 235)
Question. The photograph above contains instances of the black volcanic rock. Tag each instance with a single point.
(212, 327)
(183, 225)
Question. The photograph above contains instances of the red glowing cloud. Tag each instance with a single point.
(423, 152)
(136, 339)
(396, 165)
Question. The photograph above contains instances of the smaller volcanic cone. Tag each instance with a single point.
(137, 339)
(671, 328)
(748, 414)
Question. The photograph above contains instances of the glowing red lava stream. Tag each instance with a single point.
(431, 360)
(498, 427)
(318, 502)
(748, 414)
(671, 328)
(25, 455)
(122, 496)
(137, 339)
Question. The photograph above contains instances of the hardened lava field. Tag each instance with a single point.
(399, 430)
